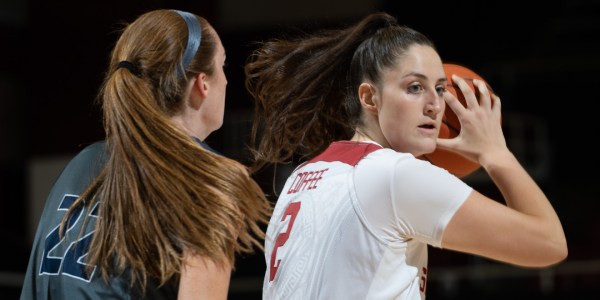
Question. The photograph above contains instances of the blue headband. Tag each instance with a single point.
(194, 37)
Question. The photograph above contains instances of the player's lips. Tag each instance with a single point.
(428, 127)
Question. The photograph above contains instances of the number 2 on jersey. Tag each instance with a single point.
(292, 211)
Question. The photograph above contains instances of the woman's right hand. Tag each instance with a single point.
(480, 137)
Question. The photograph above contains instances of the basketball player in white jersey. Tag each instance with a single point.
(355, 219)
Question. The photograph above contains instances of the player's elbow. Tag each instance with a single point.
(559, 250)
(552, 255)
(553, 249)
(559, 254)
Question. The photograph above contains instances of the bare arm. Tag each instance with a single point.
(526, 231)
(201, 278)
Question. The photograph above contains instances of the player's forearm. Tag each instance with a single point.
(522, 194)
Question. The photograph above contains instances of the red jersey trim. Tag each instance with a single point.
(348, 152)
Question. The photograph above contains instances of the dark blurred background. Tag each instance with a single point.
(543, 61)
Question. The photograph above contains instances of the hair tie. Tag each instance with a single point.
(129, 66)
(194, 38)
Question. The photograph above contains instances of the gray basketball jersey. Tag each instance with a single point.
(57, 268)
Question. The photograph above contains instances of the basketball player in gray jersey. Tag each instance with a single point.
(151, 212)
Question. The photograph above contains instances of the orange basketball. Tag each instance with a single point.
(453, 162)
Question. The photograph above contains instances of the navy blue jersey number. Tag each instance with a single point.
(60, 253)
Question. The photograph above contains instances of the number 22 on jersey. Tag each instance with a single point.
(292, 211)
(71, 259)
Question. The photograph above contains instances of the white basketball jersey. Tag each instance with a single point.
(355, 222)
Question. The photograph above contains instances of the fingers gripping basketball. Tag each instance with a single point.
(453, 162)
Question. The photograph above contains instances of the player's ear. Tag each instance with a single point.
(366, 94)
(201, 84)
(198, 90)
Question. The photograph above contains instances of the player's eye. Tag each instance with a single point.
(415, 88)
(441, 89)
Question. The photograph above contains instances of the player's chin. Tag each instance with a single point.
(425, 146)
